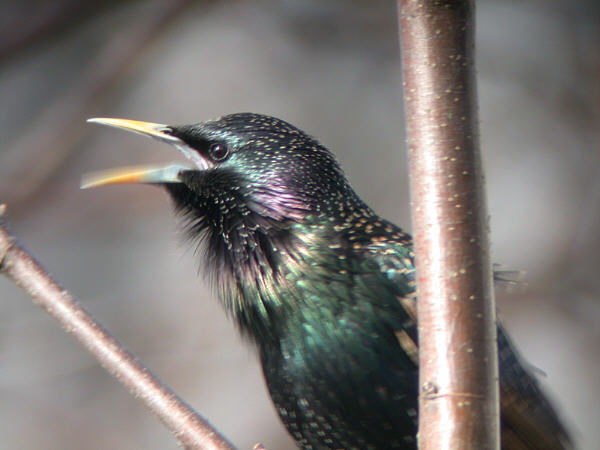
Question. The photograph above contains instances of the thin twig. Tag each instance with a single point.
(458, 402)
(191, 430)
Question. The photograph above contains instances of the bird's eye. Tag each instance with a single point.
(218, 152)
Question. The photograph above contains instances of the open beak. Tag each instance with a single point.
(133, 175)
(137, 174)
(154, 130)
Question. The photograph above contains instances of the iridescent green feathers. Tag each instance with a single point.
(269, 213)
(325, 288)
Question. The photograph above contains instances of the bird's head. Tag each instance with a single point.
(239, 164)
(250, 180)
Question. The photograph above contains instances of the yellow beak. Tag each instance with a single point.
(133, 175)
(154, 130)
(136, 174)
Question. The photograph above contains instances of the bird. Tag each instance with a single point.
(318, 282)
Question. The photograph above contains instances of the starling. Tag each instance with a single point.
(321, 284)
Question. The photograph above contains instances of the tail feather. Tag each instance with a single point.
(529, 421)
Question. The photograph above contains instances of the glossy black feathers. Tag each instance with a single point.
(325, 288)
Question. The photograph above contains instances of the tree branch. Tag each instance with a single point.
(191, 430)
(458, 402)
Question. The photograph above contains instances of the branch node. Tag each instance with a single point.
(430, 389)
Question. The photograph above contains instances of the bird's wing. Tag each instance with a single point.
(528, 419)
(395, 261)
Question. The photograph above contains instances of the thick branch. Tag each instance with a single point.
(192, 431)
(458, 403)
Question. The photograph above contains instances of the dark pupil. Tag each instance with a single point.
(218, 151)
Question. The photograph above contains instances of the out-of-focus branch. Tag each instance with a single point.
(36, 155)
(458, 402)
(27, 22)
(191, 430)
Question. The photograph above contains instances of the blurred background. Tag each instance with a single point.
(332, 68)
